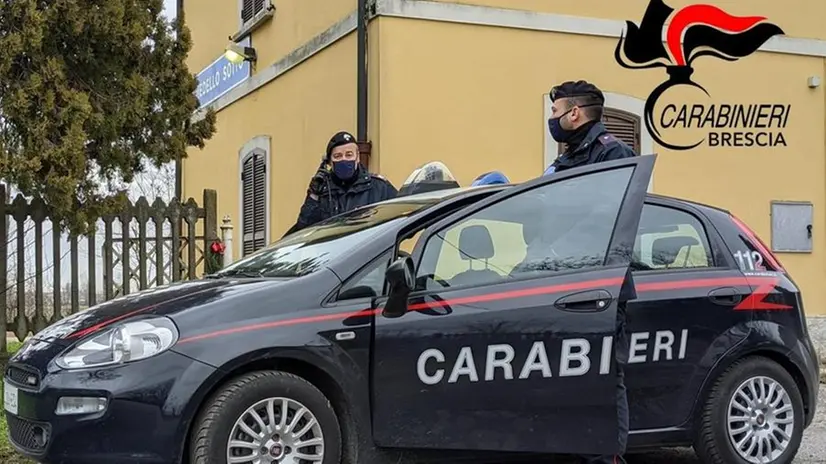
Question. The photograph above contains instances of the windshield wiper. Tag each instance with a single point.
(236, 273)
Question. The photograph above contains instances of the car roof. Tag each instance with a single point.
(695, 204)
(438, 196)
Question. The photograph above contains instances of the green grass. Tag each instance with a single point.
(7, 454)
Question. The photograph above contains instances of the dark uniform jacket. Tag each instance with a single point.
(598, 145)
(368, 188)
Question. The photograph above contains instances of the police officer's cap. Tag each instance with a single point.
(578, 89)
(339, 139)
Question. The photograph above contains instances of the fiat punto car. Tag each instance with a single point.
(472, 323)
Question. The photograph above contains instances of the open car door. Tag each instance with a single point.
(505, 340)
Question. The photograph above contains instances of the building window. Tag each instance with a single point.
(254, 193)
(250, 8)
(622, 125)
(253, 14)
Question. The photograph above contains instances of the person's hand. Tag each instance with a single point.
(318, 183)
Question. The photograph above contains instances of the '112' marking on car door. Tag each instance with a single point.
(575, 358)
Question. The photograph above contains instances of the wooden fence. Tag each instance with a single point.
(145, 245)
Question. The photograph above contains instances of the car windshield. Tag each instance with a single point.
(309, 249)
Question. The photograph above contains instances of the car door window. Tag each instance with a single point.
(372, 276)
(507, 249)
(408, 243)
(670, 238)
(563, 226)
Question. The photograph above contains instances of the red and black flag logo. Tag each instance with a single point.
(694, 31)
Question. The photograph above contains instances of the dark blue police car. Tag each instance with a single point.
(466, 323)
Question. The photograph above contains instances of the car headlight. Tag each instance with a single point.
(125, 342)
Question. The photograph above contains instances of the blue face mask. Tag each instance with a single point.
(559, 133)
(344, 170)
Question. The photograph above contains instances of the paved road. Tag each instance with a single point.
(813, 449)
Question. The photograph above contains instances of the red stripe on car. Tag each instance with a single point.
(753, 302)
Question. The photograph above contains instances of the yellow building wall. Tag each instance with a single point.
(797, 18)
(299, 110)
(472, 97)
(295, 22)
(210, 22)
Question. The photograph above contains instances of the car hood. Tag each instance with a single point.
(165, 300)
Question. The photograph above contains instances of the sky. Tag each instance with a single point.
(170, 7)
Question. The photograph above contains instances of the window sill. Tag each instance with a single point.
(253, 24)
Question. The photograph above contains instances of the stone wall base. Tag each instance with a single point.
(817, 332)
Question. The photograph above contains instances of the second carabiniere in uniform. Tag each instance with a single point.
(576, 120)
(341, 184)
(577, 110)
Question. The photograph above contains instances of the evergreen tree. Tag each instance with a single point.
(89, 89)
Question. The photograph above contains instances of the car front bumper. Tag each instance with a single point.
(143, 420)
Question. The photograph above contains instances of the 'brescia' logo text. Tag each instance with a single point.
(695, 31)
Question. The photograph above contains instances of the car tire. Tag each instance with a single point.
(714, 443)
(217, 421)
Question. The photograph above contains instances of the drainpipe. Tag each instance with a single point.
(179, 11)
(178, 225)
(361, 81)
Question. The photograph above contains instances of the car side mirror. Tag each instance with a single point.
(400, 278)
(361, 291)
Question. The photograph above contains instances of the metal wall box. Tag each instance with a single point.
(792, 226)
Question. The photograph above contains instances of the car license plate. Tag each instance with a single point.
(10, 397)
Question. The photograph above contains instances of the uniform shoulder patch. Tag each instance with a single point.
(607, 139)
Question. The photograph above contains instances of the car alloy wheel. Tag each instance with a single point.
(276, 430)
(266, 417)
(760, 420)
(753, 414)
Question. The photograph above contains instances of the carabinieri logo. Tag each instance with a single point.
(695, 31)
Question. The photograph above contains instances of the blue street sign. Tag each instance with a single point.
(220, 77)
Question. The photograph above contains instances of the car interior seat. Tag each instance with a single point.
(563, 241)
(530, 232)
(664, 251)
(475, 243)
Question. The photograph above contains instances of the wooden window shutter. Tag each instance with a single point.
(260, 202)
(251, 8)
(254, 180)
(248, 215)
(247, 10)
(622, 125)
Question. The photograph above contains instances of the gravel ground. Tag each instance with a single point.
(813, 449)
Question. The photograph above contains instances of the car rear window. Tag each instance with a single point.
(669, 238)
